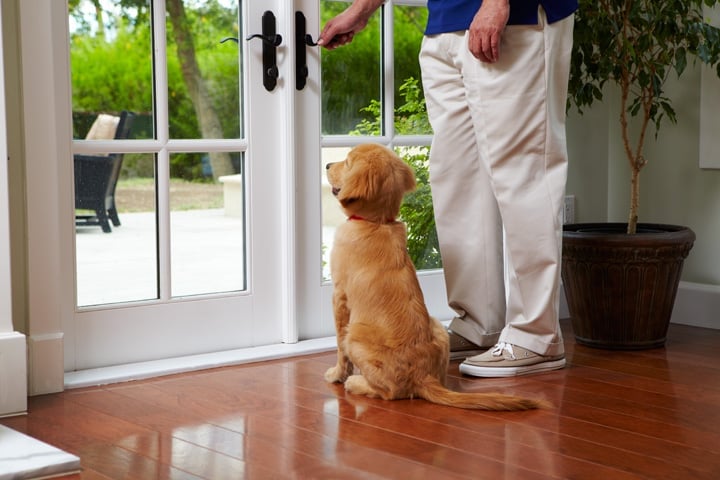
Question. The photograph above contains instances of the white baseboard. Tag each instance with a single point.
(13, 374)
(698, 305)
(46, 372)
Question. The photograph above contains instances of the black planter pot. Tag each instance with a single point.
(621, 288)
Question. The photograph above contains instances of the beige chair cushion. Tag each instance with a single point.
(103, 128)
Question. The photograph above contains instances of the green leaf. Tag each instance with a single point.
(680, 60)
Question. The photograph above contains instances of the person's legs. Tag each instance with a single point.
(518, 108)
(466, 214)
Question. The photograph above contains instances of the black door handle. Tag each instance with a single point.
(302, 39)
(271, 40)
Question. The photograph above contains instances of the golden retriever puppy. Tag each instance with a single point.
(382, 324)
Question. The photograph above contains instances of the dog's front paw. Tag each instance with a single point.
(336, 374)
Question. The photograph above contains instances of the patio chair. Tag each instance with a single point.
(96, 175)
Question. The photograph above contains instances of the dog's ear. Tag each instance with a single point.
(408, 178)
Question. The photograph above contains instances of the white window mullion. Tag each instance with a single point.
(288, 201)
(162, 159)
(163, 224)
(339, 141)
(207, 145)
(388, 70)
(160, 72)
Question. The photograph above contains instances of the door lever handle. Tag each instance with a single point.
(271, 40)
(302, 40)
(309, 41)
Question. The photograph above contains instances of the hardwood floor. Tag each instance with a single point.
(617, 415)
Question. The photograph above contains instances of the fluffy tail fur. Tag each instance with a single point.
(435, 392)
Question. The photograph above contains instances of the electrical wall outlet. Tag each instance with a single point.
(569, 210)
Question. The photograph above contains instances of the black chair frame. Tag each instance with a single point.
(96, 179)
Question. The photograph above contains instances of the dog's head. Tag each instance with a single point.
(371, 182)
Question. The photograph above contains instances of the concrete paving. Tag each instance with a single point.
(206, 256)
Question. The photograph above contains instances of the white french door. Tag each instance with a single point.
(354, 97)
(249, 267)
(180, 277)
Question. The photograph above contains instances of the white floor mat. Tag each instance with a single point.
(24, 458)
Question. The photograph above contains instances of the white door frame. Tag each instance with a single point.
(13, 357)
(48, 168)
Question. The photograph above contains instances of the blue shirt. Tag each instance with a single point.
(456, 15)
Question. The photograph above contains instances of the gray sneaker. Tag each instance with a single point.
(506, 360)
(461, 348)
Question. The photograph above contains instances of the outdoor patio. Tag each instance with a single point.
(207, 256)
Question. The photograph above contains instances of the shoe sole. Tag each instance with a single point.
(494, 372)
(463, 354)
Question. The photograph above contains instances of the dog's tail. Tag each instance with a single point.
(433, 391)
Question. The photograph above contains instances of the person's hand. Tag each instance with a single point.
(340, 30)
(487, 28)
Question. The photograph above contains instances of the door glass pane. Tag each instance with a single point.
(121, 266)
(332, 214)
(409, 117)
(206, 226)
(351, 78)
(112, 74)
(203, 69)
(114, 98)
(410, 114)
(416, 210)
(111, 63)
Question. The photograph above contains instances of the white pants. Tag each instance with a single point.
(498, 167)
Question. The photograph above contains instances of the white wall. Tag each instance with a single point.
(587, 137)
(673, 187)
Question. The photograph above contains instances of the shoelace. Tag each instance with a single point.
(503, 346)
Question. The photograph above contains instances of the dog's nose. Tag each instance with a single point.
(327, 167)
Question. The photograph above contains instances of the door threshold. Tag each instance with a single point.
(155, 368)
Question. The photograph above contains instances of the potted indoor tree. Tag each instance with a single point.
(621, 279)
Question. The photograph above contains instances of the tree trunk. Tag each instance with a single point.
(99, 18)
(634, 201)
(207, 116)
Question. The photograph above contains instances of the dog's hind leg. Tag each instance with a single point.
(358, 385)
